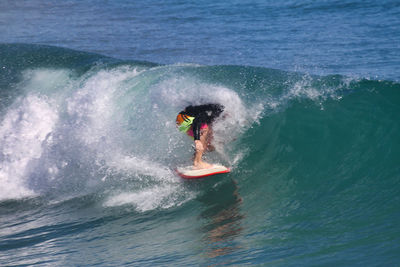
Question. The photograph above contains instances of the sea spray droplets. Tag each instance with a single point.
(157, 197)
(91, 106)
(314, 88)
(46, 81)
(178, 92)
(23, 132)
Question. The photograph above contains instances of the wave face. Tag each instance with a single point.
(88, 147)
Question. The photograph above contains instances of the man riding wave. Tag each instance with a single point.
(196, 121)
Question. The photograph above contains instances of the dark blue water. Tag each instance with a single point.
(89, 91)
(326, 37)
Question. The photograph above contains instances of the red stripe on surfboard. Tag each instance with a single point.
(201, 176)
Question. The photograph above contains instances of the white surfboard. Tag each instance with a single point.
(191, 173)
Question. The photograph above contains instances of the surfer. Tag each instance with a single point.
(196, 122)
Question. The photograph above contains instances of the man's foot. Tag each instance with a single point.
(201, 165)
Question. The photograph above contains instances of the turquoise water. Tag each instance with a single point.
(88, 143)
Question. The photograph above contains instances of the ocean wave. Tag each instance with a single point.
(74, 123)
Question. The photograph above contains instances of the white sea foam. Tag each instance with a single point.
(109, 127)
(138, 166)
(160, 196)
(24, 130)
(92, 105)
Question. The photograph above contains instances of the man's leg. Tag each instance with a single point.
(201, 145)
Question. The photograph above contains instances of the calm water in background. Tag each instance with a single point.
(88, 144)
(328, 37)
